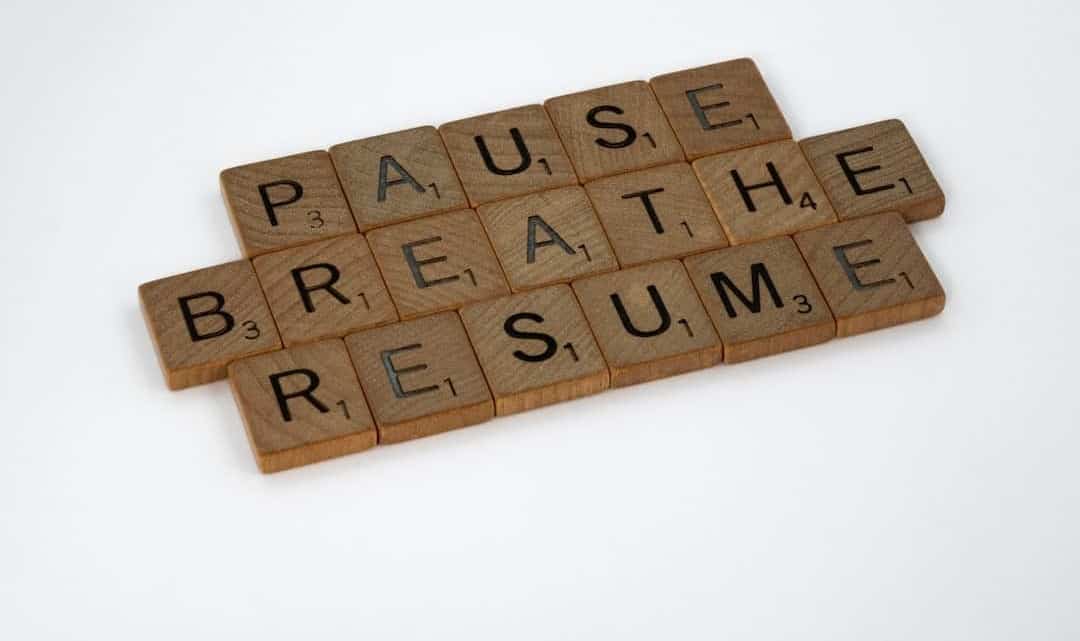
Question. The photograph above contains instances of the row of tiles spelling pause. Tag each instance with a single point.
(722, 117)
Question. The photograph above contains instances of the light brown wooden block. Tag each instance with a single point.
(720, 107)
(324, 290)
(437, 263)
(655, 214)
(301, 405)
(285, 202)
(201, 320)
(613, 129)
(421, 377)
(396, 177)
(761, 298)
(872, 273)
(764, 191)
(548, 237)
(648, 322)
(535, 348)
(507, 153)
(875, 168)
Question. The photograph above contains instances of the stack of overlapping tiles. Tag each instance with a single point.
(419, 281)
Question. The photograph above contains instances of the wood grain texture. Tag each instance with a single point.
(763, 192)
(535, 348)
(326, 289)
(720, 107)
(398, 176)
(285, 202)
(548, 237)
(421, 377)
(524, 154)
(875, 168)
(665, 330)
(872, 273)
(437, 263)
(201, 320)
(655, 214)
(613, 129)
(761, 298)
(301, 405)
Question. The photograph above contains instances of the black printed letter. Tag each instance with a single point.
(306, 393)
(665, 317)
(849, 267)
(305, 289)
(415, 264)
(745, 190)
(489, 162)
(189, 316)
(550, 346)
(269, 205)
(758, 274)
(405, 177)
(852, 174)
(629, 134)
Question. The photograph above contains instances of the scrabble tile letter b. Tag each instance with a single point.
(301, 405)
(201, 320)
(421, 377)
(507, 153)
(872, 273)
(720, 108)
(873, 169)
(285, 202)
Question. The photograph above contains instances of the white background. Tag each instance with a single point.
(917, 483)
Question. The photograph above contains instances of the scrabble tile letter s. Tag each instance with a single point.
(201, 320)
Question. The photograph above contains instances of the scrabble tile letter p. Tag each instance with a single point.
(201, 320)
(285, 202)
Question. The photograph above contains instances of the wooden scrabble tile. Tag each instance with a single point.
(325, 289)
(201, 320)
(872, 273)
(613, 129)
(421, 377)
(396, 177)
(437, 263)
(507, 153)
(875, 168)
(655, 214)
(720, 107)
(764, 191)
(548, 237)
(285, 202)
(535, 348)
(761, 298)
(301, 405)
(648, 322)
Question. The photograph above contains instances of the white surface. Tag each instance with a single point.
(918, 483)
